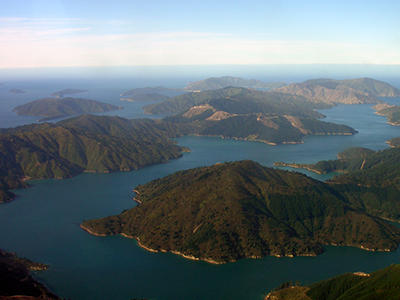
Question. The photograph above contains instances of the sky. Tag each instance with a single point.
(71, 33)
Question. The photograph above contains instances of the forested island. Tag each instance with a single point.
(16, 91)
(230, 211)
(54, 108)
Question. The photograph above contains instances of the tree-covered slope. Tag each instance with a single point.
(371, 181)
(54, 108)
(382, 284)
(241, 209)
(85, 143)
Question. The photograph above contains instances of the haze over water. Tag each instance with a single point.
(43, 223)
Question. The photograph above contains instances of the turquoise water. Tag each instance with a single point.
(43, 225)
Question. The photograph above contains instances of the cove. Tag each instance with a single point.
(43, 225)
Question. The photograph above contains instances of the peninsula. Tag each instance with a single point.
(86, 143)
(230, 211)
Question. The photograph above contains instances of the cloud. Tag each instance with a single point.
(75, 42)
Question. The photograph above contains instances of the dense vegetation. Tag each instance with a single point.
(352, 91)
(54, 108)
(241, 209)
(16, 281)
(86, 143)
(371, 181)
(382, 284)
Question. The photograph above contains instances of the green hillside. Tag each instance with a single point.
(54, 108)
(371, 181)
(86, 143)
(241, 209)
(382, 284)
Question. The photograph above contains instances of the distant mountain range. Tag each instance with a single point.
(352, 91)
(54, 108)
(241, 209)
(249, 114)
(215, 83)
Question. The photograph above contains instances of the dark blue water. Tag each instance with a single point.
(43, 223)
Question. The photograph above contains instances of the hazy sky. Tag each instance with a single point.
(51, 33)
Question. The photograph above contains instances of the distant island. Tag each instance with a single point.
(230, 211)
(61, 94)
(381, 284)
(149, 90)
(214, 83)
(54, 108)
(16, 91)
(151, 97)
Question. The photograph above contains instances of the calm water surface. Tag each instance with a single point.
(43, 223)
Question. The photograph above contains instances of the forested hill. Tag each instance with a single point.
(381, 284)
(248, 114)
(229, 211)
(85, 143)
(54, 108)
(371, 181)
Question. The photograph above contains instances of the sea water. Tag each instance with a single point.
(43, 222)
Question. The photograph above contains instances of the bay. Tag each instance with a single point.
(43, 223)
